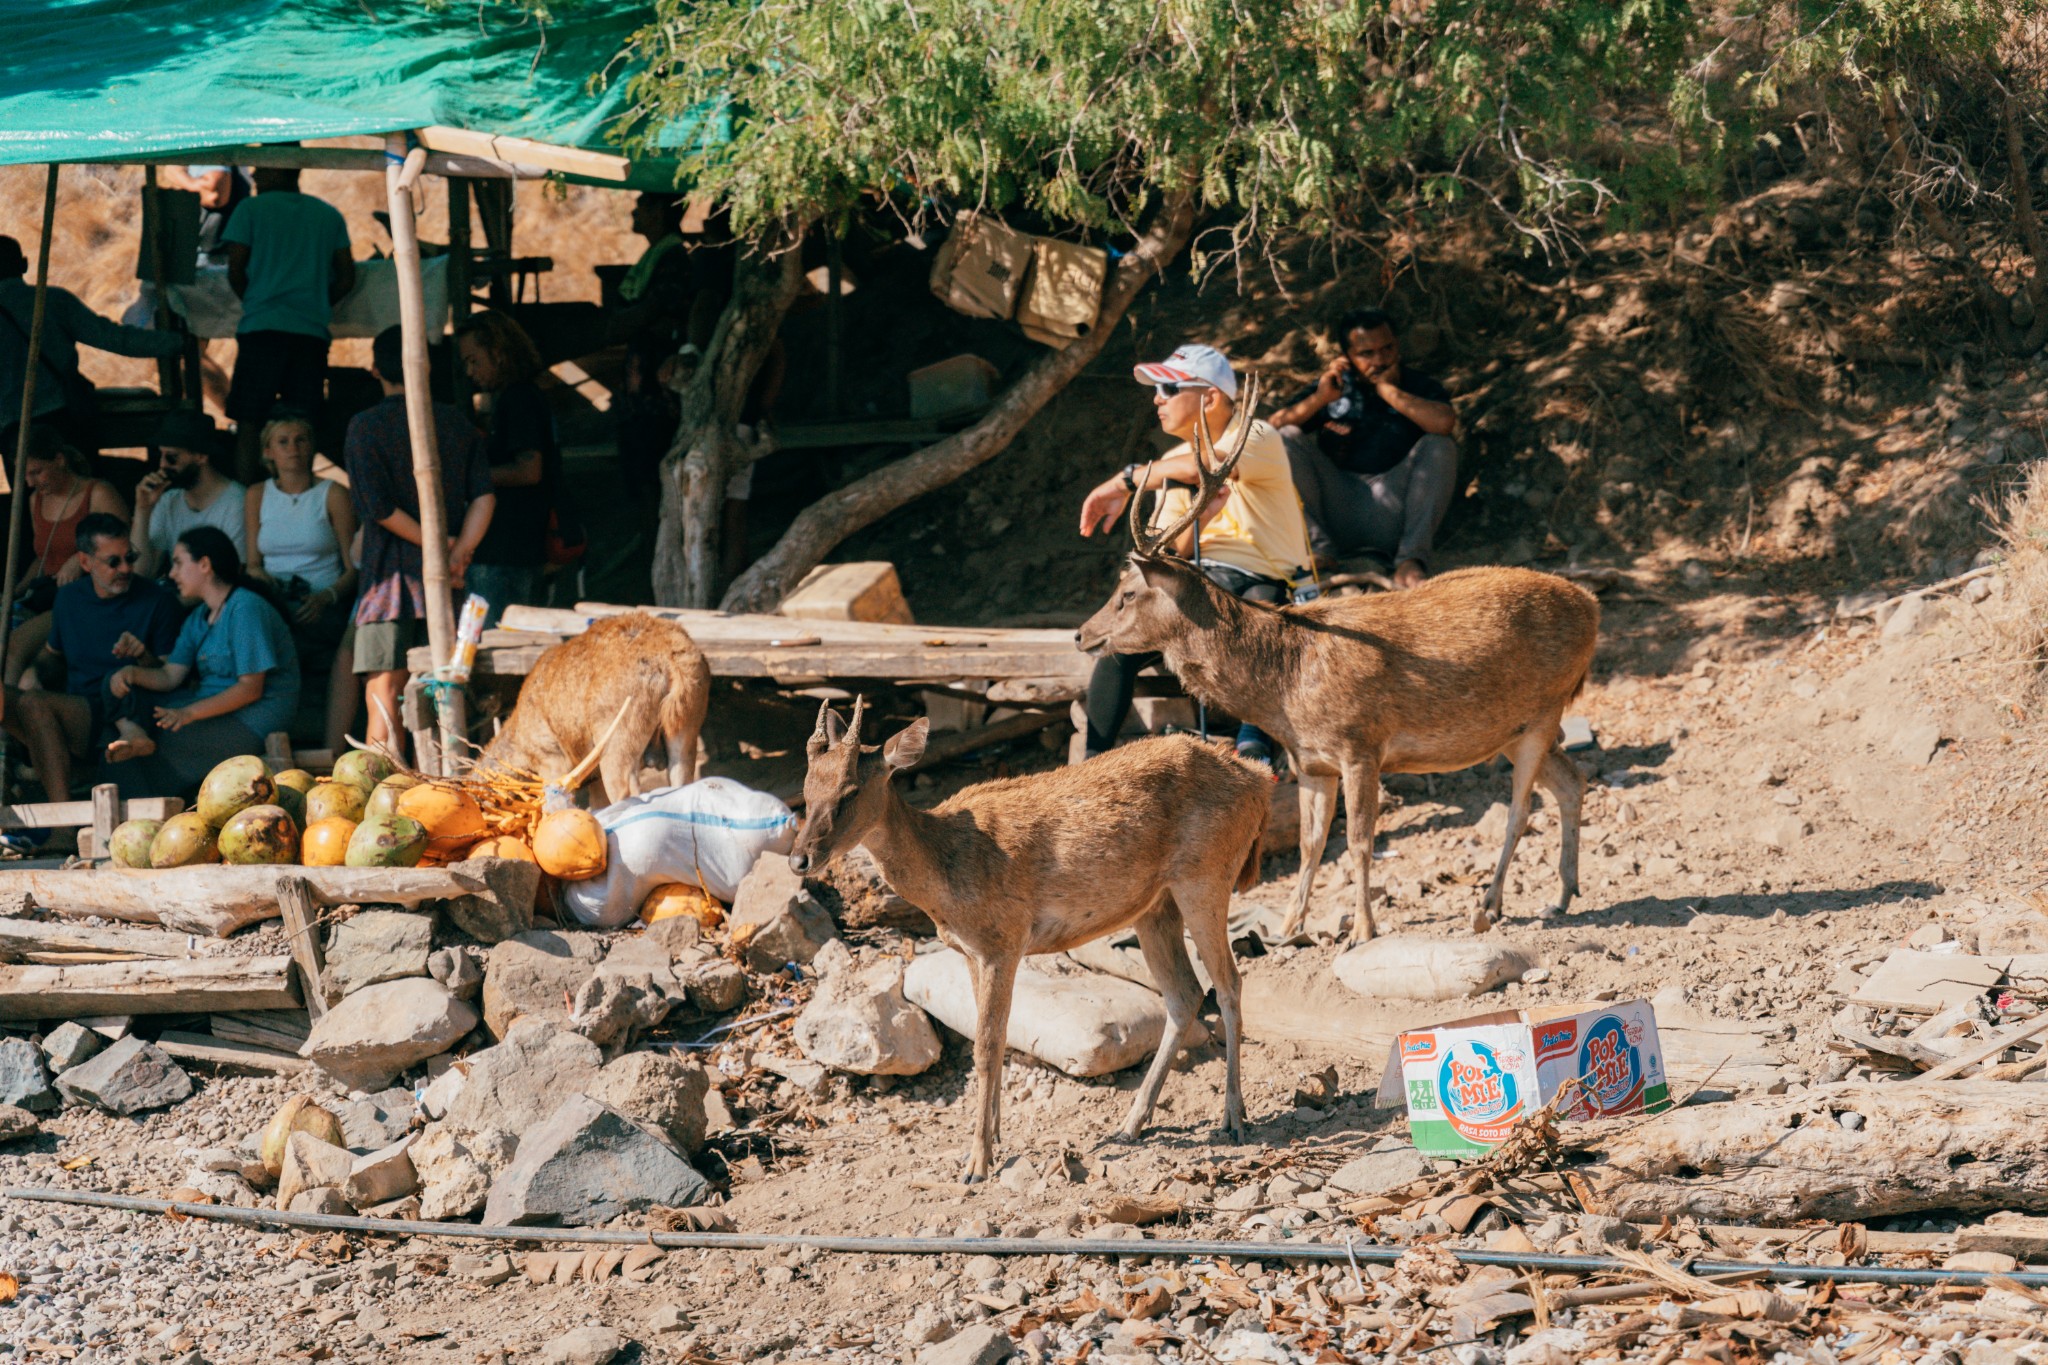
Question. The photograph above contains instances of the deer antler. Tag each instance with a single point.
(820, 740)
(860, 703)
(1210, 481)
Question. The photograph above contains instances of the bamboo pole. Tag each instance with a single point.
(17, 489)
(400, 169)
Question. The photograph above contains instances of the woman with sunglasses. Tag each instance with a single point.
(231, 678)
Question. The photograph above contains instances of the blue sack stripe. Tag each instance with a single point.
(701, 818)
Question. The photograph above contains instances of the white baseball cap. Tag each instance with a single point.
(1191, 364)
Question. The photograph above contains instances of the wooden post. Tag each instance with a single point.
(458, 274)
(106, 813)
(17, 490)
(302, 932)
(169, 372)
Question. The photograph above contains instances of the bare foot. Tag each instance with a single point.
(1409, 574)
(121, 750)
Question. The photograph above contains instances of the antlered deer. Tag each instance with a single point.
(1154, 835)
(637, 671)
(1439, 677)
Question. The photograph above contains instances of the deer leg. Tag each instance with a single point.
(1362, 818)
(1567, 786)
(992, 985)
(1206, 912)
(1527, 758)
(1318, 807)
(682, 758)
(1166, 957)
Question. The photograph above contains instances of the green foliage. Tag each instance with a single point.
(1289, 115)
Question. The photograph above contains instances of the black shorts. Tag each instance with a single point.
(277, 367)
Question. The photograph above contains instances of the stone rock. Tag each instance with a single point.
(1917, 741)
(534, 973)
(407, 1207)
(322, 1199)
(513, 1086)
(657, 1089)
(381, 1177)
(674, 934)
(439, 1096)
(486, 1270)
(584, 1346)
(24, 1080)
(1086, 1024)
(16, 1122)
(1914, 615)
(612, 1007)
(455, 1178)
(70, 1043)
(374, 946)
(308, 1164)
(835, 957)
(980, 1344)
(1411, 967)
(224, 1187)
(807, 1076)
(775, 918)
(859, 1021)
(460, 969)
(376, 1120)
(1781, 831)
(128, 1077)
(1597, 1232)
(373, 1035)
(507, 912)
(1992, 1262)
(1376, 1171)
(587, 1164)
(717, 987)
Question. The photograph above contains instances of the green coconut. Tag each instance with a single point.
(184, 841)
(235, 785)
(387, 841)
(361, 768)
(334, 800)
(260, 834)
(384, 800)
(298, 779)
(130, 842)
(294, 802)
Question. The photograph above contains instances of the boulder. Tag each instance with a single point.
(1376, 1171)
(657, 1089)
(455, 1171)
(128, 1077)
(516, 1084)
(715, 987)
(1086, 1024)
(310, 1164)
(586, 1165)
(24, 1080)
(506, 911)
(612, 1007)
(375, 1120)
(591, 1345)
(1411, 967)
(320, 1199)
(534, 973)
(374, 946)
(382, 1176)
(859, 1021)
(775, 919)
(70, 1043)
(16, 1122)
(460, 969)
(372, 1036)
(980, 1344)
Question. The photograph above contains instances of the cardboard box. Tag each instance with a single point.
(1467, 1083)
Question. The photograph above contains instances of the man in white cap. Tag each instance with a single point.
(1254, 542)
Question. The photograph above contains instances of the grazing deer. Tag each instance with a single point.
(643, 674)
(1154, 835)
(1436, 678)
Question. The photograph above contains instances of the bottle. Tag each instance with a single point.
(469, 632)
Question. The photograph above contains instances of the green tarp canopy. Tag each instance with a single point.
(114, 80)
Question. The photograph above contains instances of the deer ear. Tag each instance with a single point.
(906, 749)
(1157, 573)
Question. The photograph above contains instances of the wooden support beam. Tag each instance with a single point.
(279, 1030)
(79, 814)
(22, 939)
(228, 1057)
(519, 151)
(302, 932)
(185, 986)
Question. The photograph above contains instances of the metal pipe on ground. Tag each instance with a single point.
(1330, 1253)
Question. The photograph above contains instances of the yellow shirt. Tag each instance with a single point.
(1260, 529)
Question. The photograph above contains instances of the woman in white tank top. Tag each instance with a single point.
(300, 528)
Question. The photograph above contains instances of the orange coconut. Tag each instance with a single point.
(570, 844)
(503, 846)
(325, 843)
(450, 816)
(671, 899)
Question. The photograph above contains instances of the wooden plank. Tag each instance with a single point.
(18, 936)
(106, 813)
(228, 1057)
(866, 590)
(1002, 732)
(302, 932)
(279, 1030)
(217, 899)
(946, 660)
(1998, 1043)
(162, 987)
(1926, 983)
(69, 814)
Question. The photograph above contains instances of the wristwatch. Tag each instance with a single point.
(1130, 477)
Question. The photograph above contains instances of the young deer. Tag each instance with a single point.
(1436, 678)
(1154, 835)
(643, 674)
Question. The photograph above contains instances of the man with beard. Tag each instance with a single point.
(185, 491)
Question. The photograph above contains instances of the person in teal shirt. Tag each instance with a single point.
(289, 263)
(231, 679)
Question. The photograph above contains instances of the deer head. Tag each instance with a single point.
(846, 788)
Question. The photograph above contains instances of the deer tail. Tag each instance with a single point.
(685, 696)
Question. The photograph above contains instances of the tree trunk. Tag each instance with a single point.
(830, 520)
(707, 450)
(1969, 1146)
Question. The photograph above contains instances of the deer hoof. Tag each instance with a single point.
(1482, 921)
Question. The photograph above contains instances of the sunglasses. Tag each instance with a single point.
(1169, 390)
(119, 561)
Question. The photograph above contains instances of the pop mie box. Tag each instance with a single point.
(1466, 1083)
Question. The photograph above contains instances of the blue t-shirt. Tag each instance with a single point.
(247, 637)
(292, 239)
(84, 626)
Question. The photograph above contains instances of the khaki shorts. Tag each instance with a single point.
(381, 646)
